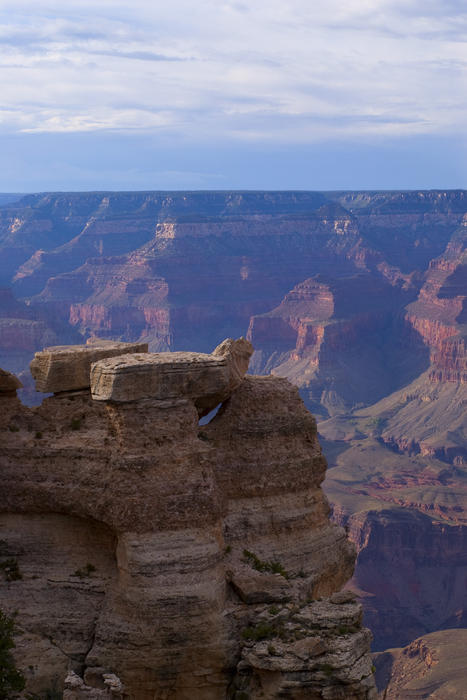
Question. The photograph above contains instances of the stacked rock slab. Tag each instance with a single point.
(205, 379)
(188, 561)
(66, 367)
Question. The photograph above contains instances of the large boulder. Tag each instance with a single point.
(205, 379)
(9, 383)
(67, 367)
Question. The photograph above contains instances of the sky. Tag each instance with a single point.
(223, 94)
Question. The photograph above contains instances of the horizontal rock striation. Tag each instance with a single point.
(206, 379)
(440, 312)
(172, 559)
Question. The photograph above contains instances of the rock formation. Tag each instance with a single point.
(154, 557)
(67, 367)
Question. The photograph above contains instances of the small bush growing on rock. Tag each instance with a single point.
(12, 681)
(272, 567)
(262, 631)
(327, 669)
(86, 572)
(13, 429)
(76, 423)
(38, 435)
(10, 569)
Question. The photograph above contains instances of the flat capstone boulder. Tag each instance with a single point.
(67, 367)
(206, 379)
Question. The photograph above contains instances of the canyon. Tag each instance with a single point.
(144, 555)
(358, 298)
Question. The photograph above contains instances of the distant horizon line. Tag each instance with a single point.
(234, 189)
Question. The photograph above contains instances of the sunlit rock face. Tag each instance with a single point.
(154, 557)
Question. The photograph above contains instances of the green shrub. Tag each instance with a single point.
(327, 669)
(272, 567)
(86, 571)
(76, 423)
(10, 569)
(263, 630)
(12, 681)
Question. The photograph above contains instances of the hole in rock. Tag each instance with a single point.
(209, 416)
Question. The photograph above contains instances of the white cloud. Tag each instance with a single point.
(290, 71)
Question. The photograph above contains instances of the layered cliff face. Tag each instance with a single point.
(327, 334)
(440, 312)
(190, 561)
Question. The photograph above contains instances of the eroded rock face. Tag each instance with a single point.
(187, 560)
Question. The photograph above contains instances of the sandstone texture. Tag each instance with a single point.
(67, 367)
(206, 379)
(8, 383)
(150, 556)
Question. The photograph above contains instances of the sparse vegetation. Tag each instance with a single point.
(76, 423)
(376, 424)
(38, 435)
(10, 569)
(273, 567)
(273, 610)
(327, 669)
(13, 429)
(263, 630)
(12, 681)
(86, 571)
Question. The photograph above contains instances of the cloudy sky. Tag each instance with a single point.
(276, 94)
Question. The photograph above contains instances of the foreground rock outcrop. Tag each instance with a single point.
(157, 558)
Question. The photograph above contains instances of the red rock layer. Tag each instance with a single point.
(440, 313)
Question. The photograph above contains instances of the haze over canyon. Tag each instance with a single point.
(358, 298)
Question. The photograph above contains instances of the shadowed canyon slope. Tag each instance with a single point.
(358, 297)
(191, 561)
